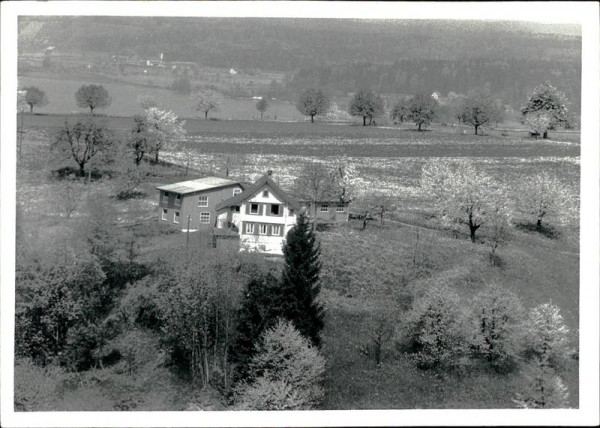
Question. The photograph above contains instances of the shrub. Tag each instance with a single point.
(547, 335)
(496, 318)
(435, 334)
(543, 389)
(284, 374)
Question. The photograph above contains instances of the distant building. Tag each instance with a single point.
(196, 198)
(232, 71)
(435, 95)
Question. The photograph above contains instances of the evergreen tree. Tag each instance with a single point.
(258, 312)
(300, 282)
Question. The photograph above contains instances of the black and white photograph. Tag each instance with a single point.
(299, 213)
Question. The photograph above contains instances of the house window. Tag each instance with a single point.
(249, 228)
(253, 208)
(164, 215)
(339, 208)
(263, 229)
(202, 201)
(274, 209)
(166, 194)
(178, 200)
(237, 191)
(265, 193)
(176, 218)
(237, 208)
(276, 230)
(204, 217)
(324, 208)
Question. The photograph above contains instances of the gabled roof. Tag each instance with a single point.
(198, 185)
(254, 188)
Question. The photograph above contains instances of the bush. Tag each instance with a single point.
(497, 321)
(284, 374)
(547, 336)
(435, 329)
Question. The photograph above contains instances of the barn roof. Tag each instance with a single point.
(254, 188)
(198, 185)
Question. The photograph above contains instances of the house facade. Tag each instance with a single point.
(196, 199)
(262, 215)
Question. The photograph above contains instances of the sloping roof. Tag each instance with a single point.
(254, 188)
(198, 185)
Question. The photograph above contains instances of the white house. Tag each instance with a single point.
(262, 215)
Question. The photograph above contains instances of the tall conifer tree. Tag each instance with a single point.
(300, 280)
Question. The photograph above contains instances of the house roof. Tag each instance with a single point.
(254, 188)
(198, 185)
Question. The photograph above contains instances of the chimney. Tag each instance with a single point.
(269, 172)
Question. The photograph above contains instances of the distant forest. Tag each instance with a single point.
(393, 57)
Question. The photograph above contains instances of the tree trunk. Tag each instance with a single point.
(538, 225)
(312, 118)
(476, 126)
(473, 229)
(206, 115)
(81, 170)
(156, 157)
(364, 222)
(545, 136)
(364, 120)
(261, 115)
(420, 126)
(30, 108)
(92, 109)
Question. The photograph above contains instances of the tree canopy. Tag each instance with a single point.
(367, 104)
(92, 96)
(262, 106)
(35, 97)
(478, 110)
(313, 102)
(206, 100)
(546, 109)
(422, 110)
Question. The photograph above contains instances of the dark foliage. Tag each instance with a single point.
(300, 285)
(259, 311)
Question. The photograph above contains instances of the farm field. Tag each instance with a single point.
(365, 272)
(124, 96)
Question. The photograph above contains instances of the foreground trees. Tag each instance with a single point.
(366, 104)
(313, 102)
(464, 195)
(206, 100)
(35, 97)
(285, 373)
(83, 141)
(546, 109)
(92, 96)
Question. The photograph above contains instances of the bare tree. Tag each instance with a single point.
(83, 141)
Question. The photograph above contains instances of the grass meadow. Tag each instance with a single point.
(365, 272)
(61, 94)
